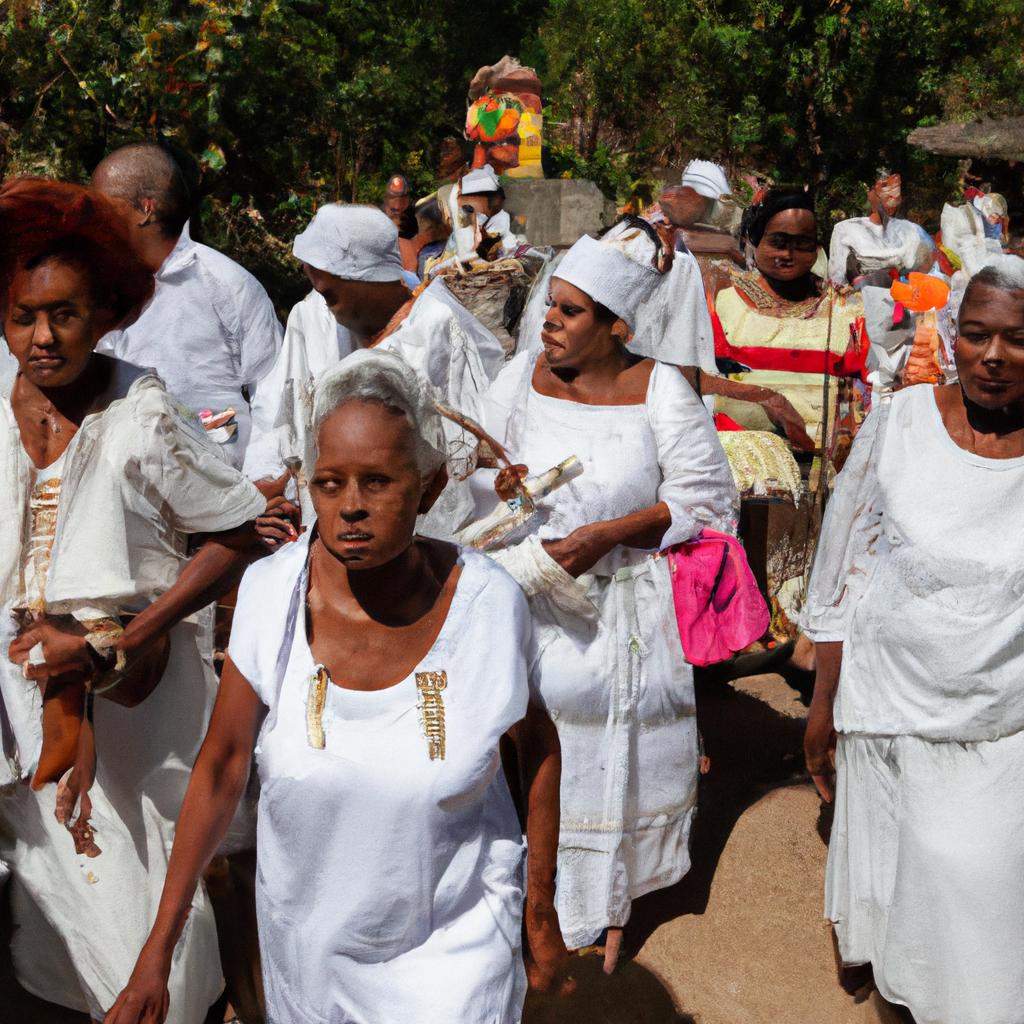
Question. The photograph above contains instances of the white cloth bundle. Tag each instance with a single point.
(537, 572)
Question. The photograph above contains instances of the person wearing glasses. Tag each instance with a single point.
(779, 320)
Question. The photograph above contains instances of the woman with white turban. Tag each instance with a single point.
(611, 671)
(376, 674)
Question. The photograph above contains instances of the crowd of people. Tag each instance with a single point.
(464, 563)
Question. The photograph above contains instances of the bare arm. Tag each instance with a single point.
(217, 783)
(540, 763)
(777, 407)
(820, 737)
(587, 544)
(212, 571)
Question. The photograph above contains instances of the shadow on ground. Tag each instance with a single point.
(632, 995)
(753, 749)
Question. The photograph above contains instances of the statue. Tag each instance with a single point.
(505, 119)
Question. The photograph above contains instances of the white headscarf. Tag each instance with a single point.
(618, 271)
(483, 179)
(706, 179)
(357, 243)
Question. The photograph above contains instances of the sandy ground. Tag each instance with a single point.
(741, 939)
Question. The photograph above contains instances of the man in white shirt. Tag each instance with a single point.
(360, 300)
(210, 329)
(880, 241)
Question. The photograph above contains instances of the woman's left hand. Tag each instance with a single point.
(579, 551)
(64, 648)
(545, 954)
(506, 483)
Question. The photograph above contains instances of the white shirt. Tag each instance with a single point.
(876, 247)
(209, 331)
(919, 572)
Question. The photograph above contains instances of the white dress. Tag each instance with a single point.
(616, 684)
(134, 482)
(389, 882)
(209, 331)
(920, 574)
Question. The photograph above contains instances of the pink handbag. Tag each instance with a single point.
(719, 609)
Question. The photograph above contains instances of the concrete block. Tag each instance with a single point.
(559, 210)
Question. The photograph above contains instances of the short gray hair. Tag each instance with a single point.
(369, 375)
(1004, 272)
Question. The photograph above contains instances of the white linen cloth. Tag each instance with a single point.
(440, 339)
(389, 885)
(919, 574)
(616, 684)
(137, 479)
(897, 244)
(209, 331)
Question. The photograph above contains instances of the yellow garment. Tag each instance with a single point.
(747, 327)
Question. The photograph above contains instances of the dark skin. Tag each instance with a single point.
(378, 598)
(983, 414)
(886, 198)
(363, 307)
(786, 253)
(52, 324)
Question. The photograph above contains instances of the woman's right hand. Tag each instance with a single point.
(145, 999)
(280, 523)
(820, 748)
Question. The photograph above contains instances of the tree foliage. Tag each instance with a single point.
(288, 103)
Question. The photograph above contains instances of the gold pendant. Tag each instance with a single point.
(316, 698)
(430, 685)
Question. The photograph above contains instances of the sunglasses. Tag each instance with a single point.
(798, 243)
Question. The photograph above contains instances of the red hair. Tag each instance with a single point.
(42, 219)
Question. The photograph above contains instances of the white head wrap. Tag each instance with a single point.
(356, 243)
(375, 376)
(706, 179)
(618, 271)
(483, 179)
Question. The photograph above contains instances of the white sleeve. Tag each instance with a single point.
(697, 484)
(259, 333)
(838, 256)
(852, 537)
(270, 407)
(197, 489)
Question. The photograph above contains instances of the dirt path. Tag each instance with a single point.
(741, 939)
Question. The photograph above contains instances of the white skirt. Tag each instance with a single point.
(925, 875)
(620, 693)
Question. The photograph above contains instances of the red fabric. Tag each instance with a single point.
(847, 363)
(725, 423)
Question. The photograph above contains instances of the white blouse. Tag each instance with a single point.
(137, 479)
(665, 449)
(919, 571)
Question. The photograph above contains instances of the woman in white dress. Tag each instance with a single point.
(101, 484)
(376, 674)
(611, 671)
(917, 609)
